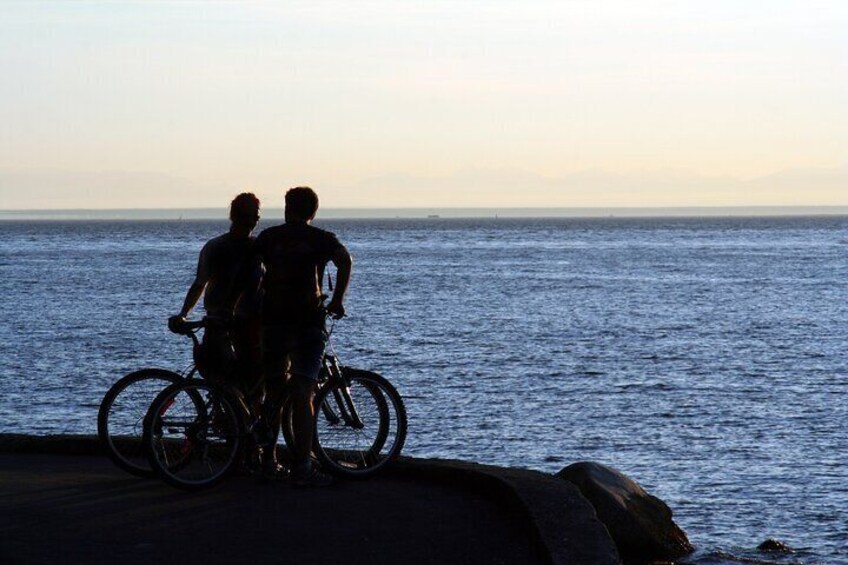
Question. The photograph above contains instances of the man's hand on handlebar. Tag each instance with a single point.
(336, 309)
(177, 324)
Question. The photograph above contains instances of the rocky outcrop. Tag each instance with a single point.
(774, 546)
(566, 523)
(640, 524)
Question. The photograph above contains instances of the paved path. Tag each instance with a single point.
(80, 509)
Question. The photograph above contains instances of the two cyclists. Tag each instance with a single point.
(293, 336)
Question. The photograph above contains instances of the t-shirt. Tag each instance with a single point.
(230, 268)
(295, 256)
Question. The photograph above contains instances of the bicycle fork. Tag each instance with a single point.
(343, 399)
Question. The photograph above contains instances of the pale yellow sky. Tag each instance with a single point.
(500, 103)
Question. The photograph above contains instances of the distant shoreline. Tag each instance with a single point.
(434, 213)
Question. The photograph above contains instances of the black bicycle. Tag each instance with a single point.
(120, 419)
(197, 432)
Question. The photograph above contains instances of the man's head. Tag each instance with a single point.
(244, 210)
(301, 204)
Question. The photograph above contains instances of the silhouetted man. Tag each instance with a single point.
(229, 276)
(295, 255)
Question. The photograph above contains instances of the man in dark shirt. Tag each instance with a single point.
(295, 255)
(229, 275)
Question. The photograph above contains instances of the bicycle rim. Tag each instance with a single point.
(358, 439)
(193, 435)
(120, 419)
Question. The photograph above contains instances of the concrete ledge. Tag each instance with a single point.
(51, 445)
(560, 520)
(564, 522)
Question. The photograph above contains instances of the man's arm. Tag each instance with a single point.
(191, 298)
(344, 263)
(195, 291)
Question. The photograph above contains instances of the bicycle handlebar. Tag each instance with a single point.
(190, 327)
(185, 327)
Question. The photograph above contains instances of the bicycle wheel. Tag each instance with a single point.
(361, 428)
(193, 435)
(120, 419)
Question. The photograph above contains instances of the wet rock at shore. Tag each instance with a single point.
(639, 523)
(774, 546)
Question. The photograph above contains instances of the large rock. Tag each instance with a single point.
(640, 524)
(774, 546)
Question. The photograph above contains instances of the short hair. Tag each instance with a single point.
(243, 204)
(301, 202)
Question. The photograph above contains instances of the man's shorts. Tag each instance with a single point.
(298, 348)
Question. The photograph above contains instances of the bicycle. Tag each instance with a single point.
(196, 432)
(120, 417)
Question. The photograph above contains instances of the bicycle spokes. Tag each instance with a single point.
(195, 436)
(361, 425)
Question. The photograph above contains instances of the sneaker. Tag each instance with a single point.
(311, 476)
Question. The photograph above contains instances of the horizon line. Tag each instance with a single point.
(434, 212)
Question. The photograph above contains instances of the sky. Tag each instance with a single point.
(424, 104)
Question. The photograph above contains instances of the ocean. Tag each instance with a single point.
(703, 357)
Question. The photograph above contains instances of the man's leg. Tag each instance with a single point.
(272, 413)
(307, 356)
(217, 358)
(302, 394)
(247, 344)
(274, 374)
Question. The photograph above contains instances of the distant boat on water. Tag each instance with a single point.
(433, 216)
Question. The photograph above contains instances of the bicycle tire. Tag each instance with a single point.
(194, 435)
(120, 418)
(346, 449)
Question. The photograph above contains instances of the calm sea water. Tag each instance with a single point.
(705, 358)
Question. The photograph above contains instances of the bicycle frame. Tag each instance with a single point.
(214, 425)
(332, 375)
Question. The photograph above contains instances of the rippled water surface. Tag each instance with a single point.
(705, 358)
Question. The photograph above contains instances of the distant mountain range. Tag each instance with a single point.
(467, 189)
